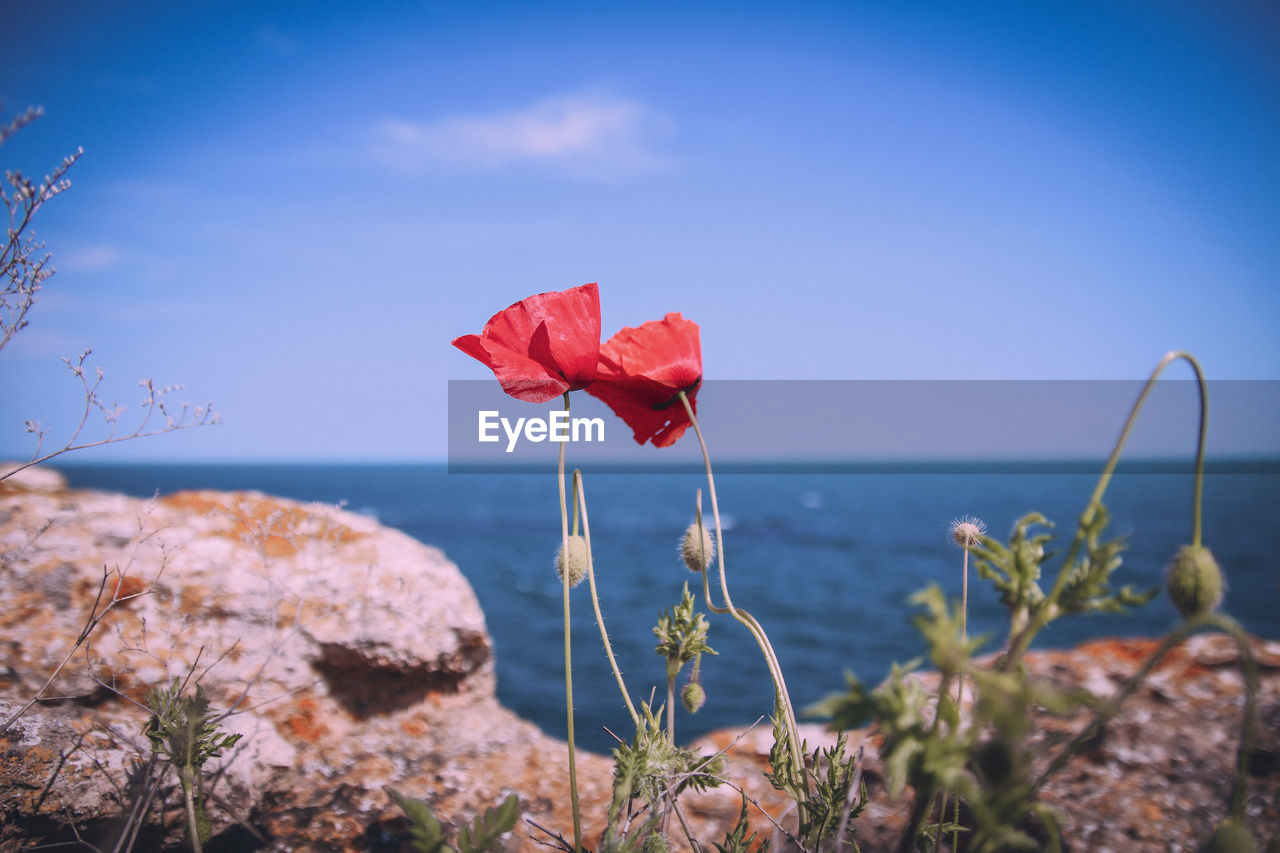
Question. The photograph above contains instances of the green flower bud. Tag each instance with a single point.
(693, 697)
(1230, 837)
(576, 564)
(1195, 581)
(697, 551)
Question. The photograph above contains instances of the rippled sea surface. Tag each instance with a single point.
(826, 563)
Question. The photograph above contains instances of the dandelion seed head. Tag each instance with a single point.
(967, 531)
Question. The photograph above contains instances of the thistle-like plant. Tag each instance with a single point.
(651, 769)
(682, 639)
(184, 729)
(827, 788)
(481, 835)
(985, 759)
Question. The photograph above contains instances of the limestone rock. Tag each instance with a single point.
(342, 650)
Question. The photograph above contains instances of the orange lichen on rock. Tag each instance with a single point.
(303, 721)
(1133, 651)
(413, 726)
(277, 529)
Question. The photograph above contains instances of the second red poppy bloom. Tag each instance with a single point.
(642, 371)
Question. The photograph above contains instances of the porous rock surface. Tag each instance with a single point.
(353, 658)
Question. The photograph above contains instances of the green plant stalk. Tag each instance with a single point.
(1249, 671)
(924, 798)
(1047, 610)
(188, 798)
(671, 701)
(580, 493)
(568, 658)
(964, 638)
(745, 618)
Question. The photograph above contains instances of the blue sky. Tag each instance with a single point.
(293, 208)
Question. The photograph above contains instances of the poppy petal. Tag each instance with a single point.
(542, 346)
(641, 372)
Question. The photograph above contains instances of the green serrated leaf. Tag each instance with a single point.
(425, 831)
(485, 831)
(737, 840)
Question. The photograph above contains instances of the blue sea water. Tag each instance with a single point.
(826, 562)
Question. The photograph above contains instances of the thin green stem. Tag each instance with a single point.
(945, 794)
(924, 797)
(964, 638)
(1249, 671)
(745, 618)
(568, 657)
(671, 702)
(580, 492)
(706, 583)
(1048, 608)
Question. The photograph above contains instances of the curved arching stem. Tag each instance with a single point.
(580, 493)
(1018, 644)
(746, 619)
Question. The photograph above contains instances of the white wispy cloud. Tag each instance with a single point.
(592, 136)
(274, 41)
(90, 258)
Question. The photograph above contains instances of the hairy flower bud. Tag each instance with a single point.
(693, 697)
(576, 562)
(1194, 581)
(697, 551)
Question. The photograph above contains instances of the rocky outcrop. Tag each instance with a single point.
(352, 657)
(348, 655)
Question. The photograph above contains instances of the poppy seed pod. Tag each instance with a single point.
(1194, 581)
(693, 697)
(1229, 837)
(576, 562)
(697, 551)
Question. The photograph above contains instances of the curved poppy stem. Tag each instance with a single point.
(568, 656)
(579, 491)
(1048, 608)
(745, 618)
(706, 584)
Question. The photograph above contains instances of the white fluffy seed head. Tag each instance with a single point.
(968, 531)
(697, 551)
(575, 564)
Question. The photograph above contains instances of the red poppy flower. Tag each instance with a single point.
(542, 346)
(643, 369)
